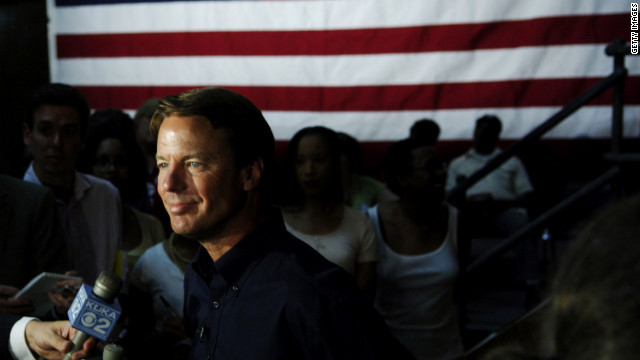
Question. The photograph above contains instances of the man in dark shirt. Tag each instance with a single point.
(253, 290)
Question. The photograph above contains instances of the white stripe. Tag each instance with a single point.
(312, 15)
(385, 69)
(51, 38)
(589, 121)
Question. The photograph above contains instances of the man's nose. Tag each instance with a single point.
(56, 139)
(172, 178)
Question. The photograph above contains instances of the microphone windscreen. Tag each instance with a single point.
(107, 286)
(112, 352)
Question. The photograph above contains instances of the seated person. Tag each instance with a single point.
(496, 204)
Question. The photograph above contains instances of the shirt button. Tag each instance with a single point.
(235, 288)
(216, 304)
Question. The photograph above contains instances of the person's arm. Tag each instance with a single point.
(366, 278)
(368, 258)
(11, 305)
(49, 339)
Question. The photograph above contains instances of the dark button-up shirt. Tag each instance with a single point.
(273, 297)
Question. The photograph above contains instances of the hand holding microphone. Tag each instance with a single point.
(95, 311)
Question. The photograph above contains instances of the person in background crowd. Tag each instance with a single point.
(112, 153)
(147, 143)
(31, 238)
(497, 204)
(253, 290)
(360, 191)
(313, 207)
(145, 139)
(418, 236)
(156, 293)
(89, 207)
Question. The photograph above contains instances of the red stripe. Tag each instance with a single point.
(524, 93)
(565, 30)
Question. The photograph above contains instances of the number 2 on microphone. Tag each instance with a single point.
(102, 325)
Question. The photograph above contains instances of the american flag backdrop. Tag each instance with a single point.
(366, 67)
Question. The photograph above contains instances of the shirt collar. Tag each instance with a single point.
(80, 184)
(473, 153)
(239, 260)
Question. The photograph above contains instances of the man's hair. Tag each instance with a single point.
(59, 95)
(291, 193)
(492, 121)
(426, 130)
(247, 131)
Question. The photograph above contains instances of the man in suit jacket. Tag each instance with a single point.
(30, 238)
(30, 234)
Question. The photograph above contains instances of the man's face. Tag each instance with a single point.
(485, 137)
(198, 181)
(55, 140)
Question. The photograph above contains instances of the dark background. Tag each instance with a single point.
(24, 65)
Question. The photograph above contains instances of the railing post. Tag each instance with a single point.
(618, 49)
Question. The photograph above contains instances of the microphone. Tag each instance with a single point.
(112, 352)
(95, 310)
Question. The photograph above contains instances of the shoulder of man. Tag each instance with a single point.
(98, 183)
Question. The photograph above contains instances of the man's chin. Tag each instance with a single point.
(187, 231)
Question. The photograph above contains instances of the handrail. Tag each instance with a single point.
(456, 193)
(540, 221)
(618, 49)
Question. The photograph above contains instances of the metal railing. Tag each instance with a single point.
(618, 49)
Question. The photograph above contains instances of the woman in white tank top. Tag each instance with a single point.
(418, 245)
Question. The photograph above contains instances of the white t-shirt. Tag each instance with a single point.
(353, 242)
(508, 182)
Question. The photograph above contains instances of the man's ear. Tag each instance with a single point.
(252, 174)
(26, 134)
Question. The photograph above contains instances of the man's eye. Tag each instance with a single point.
(162, 165)
(195, 164)
(45, 130)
